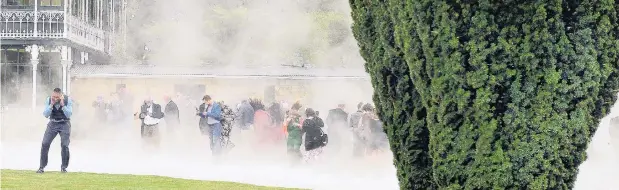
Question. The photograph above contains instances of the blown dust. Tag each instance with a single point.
(119, 150)
(271, 29)
(185, 34)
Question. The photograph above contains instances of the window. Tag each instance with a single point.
(17, 2)
(75, 8)
(105, 14)
(92, 11)
(51, 3)
(199, 89)
(120, 86)
(179, 88)
(269, 94)
(192, 91)
(15, 55)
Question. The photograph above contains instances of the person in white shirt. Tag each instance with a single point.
(150, 114)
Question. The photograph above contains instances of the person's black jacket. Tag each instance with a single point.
(156, 112)
(203, 120)
(172, 113)
(312, 128)
(337, 118)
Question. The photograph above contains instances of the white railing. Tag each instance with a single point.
(17, 24)
(85, 34)
(27, 24)
(49, 24)
(20, 24)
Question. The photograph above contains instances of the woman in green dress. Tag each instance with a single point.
(293, 130)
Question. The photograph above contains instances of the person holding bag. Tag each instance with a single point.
(315, 137)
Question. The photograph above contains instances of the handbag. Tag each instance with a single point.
(324, 138)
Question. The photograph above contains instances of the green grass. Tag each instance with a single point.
(18, 179)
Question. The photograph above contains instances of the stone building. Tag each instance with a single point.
(316, 86)
(42, 40)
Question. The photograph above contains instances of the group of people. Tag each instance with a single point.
(299, 128)
(368, 134)
(113, 110)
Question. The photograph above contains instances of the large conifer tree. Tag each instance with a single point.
(489, 94)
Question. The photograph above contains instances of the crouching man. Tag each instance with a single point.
(59, 110)
(150, 114)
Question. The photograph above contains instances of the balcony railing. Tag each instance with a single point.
(28, 24)
(82, 33)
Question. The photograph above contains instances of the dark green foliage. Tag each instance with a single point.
(398, 103)
(489, 94)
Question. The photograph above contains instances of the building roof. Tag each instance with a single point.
(211, 71)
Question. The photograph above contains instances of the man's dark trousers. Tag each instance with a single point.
(54, 128)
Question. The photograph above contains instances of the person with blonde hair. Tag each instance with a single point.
(375, 139)
(353, 122)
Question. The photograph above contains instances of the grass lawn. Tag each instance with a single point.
(19, 179)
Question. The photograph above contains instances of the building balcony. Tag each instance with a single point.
(47, 24)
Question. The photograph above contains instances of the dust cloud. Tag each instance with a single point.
(224, 33)
(186, 154)
(236, 33)
(241, 32)
(601, 169)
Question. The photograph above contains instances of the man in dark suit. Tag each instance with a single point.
(337, 120)
(337, 117)
(171, 112)
(150, 114)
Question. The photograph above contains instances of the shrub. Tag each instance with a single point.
(489, 94)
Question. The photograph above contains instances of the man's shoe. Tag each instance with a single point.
(40, 171)
(63, 170)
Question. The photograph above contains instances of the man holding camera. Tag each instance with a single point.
(58, 109)
(210, 113)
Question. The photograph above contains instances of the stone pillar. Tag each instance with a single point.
(69, 62)
(63, 60)
(67, 9)
(34, 60)
(66, 60)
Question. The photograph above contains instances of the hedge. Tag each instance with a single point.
(489, 94)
